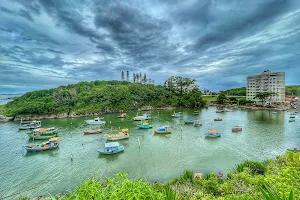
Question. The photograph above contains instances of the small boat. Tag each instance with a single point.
(219, 111)
(29, 125)
(123, 115)
(213, 133)
(218, 119)
(111, 148)
(144, 117)
(237, 128)
(189, 121)
(292, 120)
(162, 130)
(43, 133)
(227, 110)
(52, 143)
(197, 123)
(92, 131)
(96, 121)
(121, 135)
(145, 125)
(176, 115)
(292, 116)
(195, 113)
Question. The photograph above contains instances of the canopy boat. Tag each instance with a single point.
(195, 113)
(111, 148)
(143, 117)
(96, 121)
(213, 133)
(52, 143)
(43, 133)
(29, 125)
(197, 123)
(145, 125)
(189, 121)
(218, 119)
(121, 135)
(292, 120)
(92, 131)
(176, 115)
(237, 128)
(162, 130)
(219, 111)
(123, 115)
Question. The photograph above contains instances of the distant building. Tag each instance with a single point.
(267, 82)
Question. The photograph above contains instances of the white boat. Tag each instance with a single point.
(96, 121)
(29, 125)
(142, 118)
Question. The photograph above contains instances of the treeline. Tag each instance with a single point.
(236, 91)
(293, 90)
(106, 96)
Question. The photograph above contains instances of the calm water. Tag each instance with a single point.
(159, 158)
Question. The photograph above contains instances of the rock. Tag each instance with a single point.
(198, 175)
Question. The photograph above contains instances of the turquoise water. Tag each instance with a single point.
(159, 158)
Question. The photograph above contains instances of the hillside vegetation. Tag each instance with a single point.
(293, 90)
(106, 96)
(276, 179)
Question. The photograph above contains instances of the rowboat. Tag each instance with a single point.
(121, 135)
(197, 123)
(92, 131)
(29, 125)
(52, 143)
(123, 115)
(162, 130)
(237, 128)
(111, 148)
(96, 121)
(176, 115)
(213, 133)
(144, 117)
(189, 121)
(43, 133)
(218, 119)
(145, 125)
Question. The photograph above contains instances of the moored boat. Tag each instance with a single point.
(96, 121)
(162, 130)
(121, 135)
(30, 125)
(292, 120)
(144, 117)
(213, 133)
(218, 119)
(292, 116)
(219, 111)
(111, 148)
(43, 133)
(176, 115)
(237, 128)
(145, 125)
(92, 131)
(52, 143)
(195, 113)
(123, 115)
(197, 123)
(189, 121)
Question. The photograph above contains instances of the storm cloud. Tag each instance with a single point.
(47, 43)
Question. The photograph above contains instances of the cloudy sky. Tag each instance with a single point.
(47, 43)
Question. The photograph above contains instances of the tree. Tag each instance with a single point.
(180, 85)
(122, 76)
(222, 98)
(263, 95)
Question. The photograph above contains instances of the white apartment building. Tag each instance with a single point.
(267, 82)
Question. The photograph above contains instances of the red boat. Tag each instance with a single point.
(92, 131)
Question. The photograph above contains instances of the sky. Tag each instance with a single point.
(48, 43)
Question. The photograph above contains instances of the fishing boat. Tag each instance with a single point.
(213, 133)
(189, 121)
(43, 133)
(197, 123)
(96, 121)
(195, 113)
(218, 119)
(237, 128)
(292, 120)
(162, 130)
(144, 117)
(29, 125)
(52, 143)
(111, 148)
(219, 111)
(145, 125)
(121, 135)
(176, 115)
(92, 131)
(123, 115)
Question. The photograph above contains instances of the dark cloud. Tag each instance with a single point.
(46, 43)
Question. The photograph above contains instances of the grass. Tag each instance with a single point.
(209, 98)
(2, 111)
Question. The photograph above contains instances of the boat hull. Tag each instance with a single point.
(120, 149)
(92, 132)
(159, 132)
(42, 137)
(39, 149)
(28, 128)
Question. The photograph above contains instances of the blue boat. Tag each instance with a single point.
(189, 121)
(145, 125)
(52, 143)
(176, 115)
(111, 148)
(213, 133)
(29, 125)
(162, 130)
